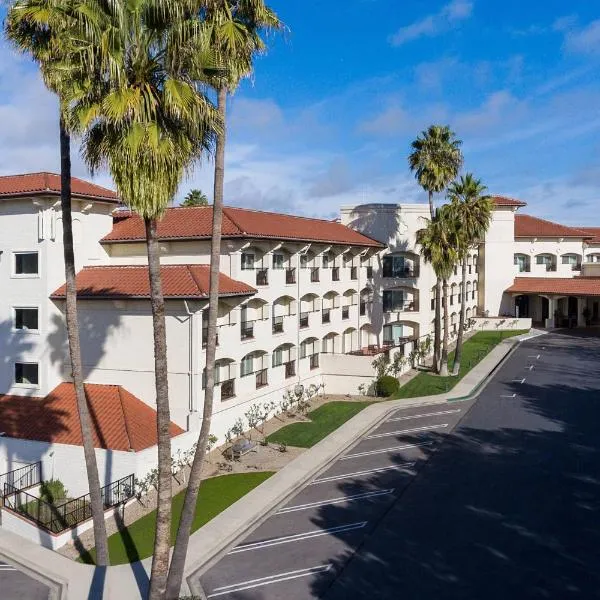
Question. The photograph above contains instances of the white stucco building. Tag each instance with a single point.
(301, 301)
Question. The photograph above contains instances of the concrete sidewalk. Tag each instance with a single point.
(74, 581)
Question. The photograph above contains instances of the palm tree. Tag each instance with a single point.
(438, 248)
(144, 118)
(436, 159)
(232, 30)
(41, 28)
(471, 211)
(195, 198)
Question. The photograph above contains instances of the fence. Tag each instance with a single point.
(57, 519)
(22, 478)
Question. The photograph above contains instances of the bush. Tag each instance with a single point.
(387, 386)
(53, 491)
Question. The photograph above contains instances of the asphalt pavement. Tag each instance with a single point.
(491, 498)
(15, 585)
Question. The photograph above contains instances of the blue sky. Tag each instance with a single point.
(331, 110)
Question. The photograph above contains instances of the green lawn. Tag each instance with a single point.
(216, 494)
(474, 350)
(324, 420)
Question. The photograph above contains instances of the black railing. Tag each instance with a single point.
(277, 324)
(22, 478)
(228, 389)
(303, 319)
(290, 276)
(314, 361)
(326, 315)
(314, 274)
(345, 312)
(262, 277)
(335, 274)
(70, 514)
(261, 378)
(247, 331)
(290, 369)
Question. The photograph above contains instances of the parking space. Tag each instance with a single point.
(15, 585)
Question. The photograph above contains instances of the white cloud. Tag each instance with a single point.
(431, 25)
(393, 120)
(585, 40)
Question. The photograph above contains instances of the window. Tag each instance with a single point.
(278, 261)
(228, 389)
(26, 319)
(262, 277)
(303, 319)
(345, 312)
(278, 357)
(543, 259)
(26, 263)
(303, 261)
(314, 274)
(369, 272)
(326, 315)
(247, 366)
(393, 300)
(573, 260)
(325, 261)
(247, 261)
(290, 369)
(354, 273)
(335, 274)
(522, 263)
(395, 266)
(277, 324)
(290, 276)
(262, 379)
(314, 361)
(27, 373)
(392, 334)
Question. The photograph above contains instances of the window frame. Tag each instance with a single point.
(276, 265)
(22, 384)
(249, 357)
(16, 275)
(14, 310)
(393, 307)
(243, 262)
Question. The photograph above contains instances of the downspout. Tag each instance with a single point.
(302, 252)
(193, 352)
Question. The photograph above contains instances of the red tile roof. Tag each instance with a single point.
(196, 223)
(574, 286)
(528, 226)
(120, 421)
(593, 232)
(35, 184)
(506, 201)
(131, 281)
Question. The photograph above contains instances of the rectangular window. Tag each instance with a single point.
(569, 259)
(325, 261)
(354, 273)
(314, 361)
(303, 261)
(278, 261)
(369, 272)
(345, 312)
(290, 276)
(26, 263)
(393, 300)
(314, 274)
(247, 366)
(396, 266)
(228, 389)
(27, 373)
(543, 259)
(290, 369)
(247, 261)
(26, 319)
(262, 379)
(278, 358)
(335, 274)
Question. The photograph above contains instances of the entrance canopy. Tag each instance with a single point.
(556, 286)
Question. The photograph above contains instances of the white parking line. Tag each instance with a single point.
(508, 396)
(7, 568)
(413, 430)
(385, 450)
(359, 473)
(531, 367)
(434, 414)
(519, 380)
(340, 500)
(298, 537)
(254, 583)
(536, 356)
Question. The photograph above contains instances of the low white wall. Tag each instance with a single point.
(500, 324)
(344, 373)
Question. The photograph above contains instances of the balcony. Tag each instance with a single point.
(290, 276)
(576, 267)
(262, 277)
(314, 274)
(290, 369)
(335, 274)
(277, 324)
(354, 273)
(228, 389)
(303, 320)
(345, 312)
(550, 267)
(314, 361)
(247, 331)
(405, 273)
(326, 315)
(262, 379)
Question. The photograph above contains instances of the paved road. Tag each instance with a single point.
(491, 499)
(15, 585)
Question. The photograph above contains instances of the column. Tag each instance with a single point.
(581, 305)
(551, 307)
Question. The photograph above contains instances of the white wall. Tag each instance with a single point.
(344, 374)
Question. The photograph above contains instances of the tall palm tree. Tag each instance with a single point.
(146, 120)
(438, 247)
(471, 210)
(42, 29)
(195, 198)
(232, 31)
(436, 159)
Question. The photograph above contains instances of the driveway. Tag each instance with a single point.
(494, 498)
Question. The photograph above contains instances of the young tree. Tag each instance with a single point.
(44, 29)
(436, 159)
(232, 31)
(146, 120)
(195, 198)
(471, 212)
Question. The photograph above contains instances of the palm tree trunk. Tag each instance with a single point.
(437, 325)
(444, 361)
(97, 506)
(461, 325)
(162, 541)
(195, 479)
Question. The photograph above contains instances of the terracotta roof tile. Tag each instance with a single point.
(506, 201)
(196, 223)
(131, 281)
(593, 232)
(528, 226)
(34, 184)
(575, 286)
(120, 421)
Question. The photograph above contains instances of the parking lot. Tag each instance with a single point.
(491, 498)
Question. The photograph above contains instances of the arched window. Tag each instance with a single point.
(573, 261)
(523, 263)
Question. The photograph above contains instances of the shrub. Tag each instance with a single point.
(387, 386)
(53, 491)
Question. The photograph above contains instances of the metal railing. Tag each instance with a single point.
(228, 389)
(314, 361)
(262, 277)
(303, 319)
(22, 478)
(326, 315)
(262, 378)
(247, 330)
(314, 274)
(345, 312)
(277, 324)
(290, 276)
(335, 274)
(57, 519)
(290, 369)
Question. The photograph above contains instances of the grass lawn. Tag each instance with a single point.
(474, 350)
(216, 494)
(324, 420)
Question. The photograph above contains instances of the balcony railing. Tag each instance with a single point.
(290, 369)
(406, 273)
(408, 307)
(335, 274)
(550, 267)
(290, 276)
(345, 312)
(247, 331)
(576, 267)
(262, 277)
(354, 273)
(277, 324)
(363, 308)
(314, 274)
(228, 389)
(326, 315)
(303, 319)
(261, 378)
(314, 361)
